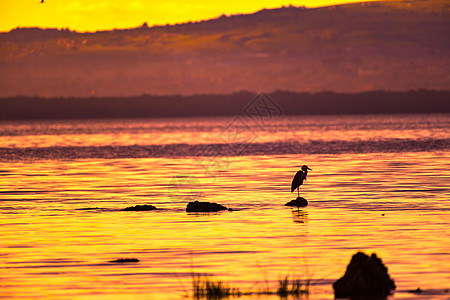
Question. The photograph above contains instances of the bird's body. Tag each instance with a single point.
(299, 177)
(298, 180)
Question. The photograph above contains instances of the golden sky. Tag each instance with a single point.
(92, 15)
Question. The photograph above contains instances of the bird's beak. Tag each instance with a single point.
(309, 169)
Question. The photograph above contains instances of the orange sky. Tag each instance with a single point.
(92, 15)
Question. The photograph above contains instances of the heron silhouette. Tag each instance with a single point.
(298, 179)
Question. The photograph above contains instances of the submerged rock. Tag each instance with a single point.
(365, 277)
(430, 291)
(197, 206)
(140, 208)
(124, 260)
(416, 291)
(299, 202)
(89, 208)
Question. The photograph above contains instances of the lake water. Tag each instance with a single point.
(379, 184)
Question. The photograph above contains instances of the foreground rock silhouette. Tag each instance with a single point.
(299, 202)
(365, 277)
(144, 207)
(124, 260)
(197, 206)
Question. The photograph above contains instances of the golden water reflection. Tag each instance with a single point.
(299, 216)
(393, 204)
(209, 130)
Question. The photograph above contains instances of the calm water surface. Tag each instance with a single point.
(379, 184)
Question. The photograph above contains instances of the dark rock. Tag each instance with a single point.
(430, 292)
(365, 277)
(124, 260)
(299, 202)
(416, 291)
(140, 208)
(197, 206)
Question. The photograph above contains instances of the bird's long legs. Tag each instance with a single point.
(298, 191)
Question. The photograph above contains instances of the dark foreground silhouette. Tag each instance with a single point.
(124, 260)
(197, 206)
(144, 207)
(365, 277)
(299, 202)
(299, 177)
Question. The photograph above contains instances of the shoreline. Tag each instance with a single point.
(273, 104)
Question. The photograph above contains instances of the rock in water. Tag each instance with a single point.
(365, 277)
(299, 202)
(124, 260)
(204, 207)
(140, 208)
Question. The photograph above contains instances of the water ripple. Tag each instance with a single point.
(231, 149)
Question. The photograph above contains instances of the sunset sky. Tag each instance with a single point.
(92, 15)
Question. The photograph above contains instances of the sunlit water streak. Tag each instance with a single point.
(391, 202)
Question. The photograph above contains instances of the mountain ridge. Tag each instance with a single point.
(399, 45)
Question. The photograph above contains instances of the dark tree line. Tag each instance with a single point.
(147, 106)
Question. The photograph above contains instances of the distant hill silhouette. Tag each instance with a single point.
(398, 45)
(378, 102)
